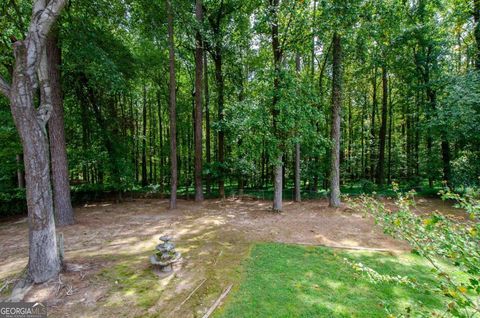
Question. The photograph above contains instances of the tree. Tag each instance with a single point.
(173, 110)
(56, 132)
(198, 100)
(383, 130)
(29, 73)
(476, 32)
(144, 138)
(215, 21)
(336, 120)
(277, 60)
(297, 197)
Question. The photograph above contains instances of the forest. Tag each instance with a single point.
(310, 148)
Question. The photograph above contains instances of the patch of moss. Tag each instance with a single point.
(135, 284)
(7, 291)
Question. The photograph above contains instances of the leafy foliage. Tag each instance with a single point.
(439, 239)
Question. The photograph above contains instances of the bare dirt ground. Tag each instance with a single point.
(107, 250)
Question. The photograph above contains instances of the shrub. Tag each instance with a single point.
(440, 240)
(367, 186)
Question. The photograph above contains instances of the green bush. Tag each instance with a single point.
(440, 240)
(367, 186)
(13, 202)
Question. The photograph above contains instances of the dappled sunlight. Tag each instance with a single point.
(333, 284)
(214, 238)
(327, 306)
(349, 242)
(317, 282)
(12, 266)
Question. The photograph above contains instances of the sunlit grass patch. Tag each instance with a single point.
(293, 281)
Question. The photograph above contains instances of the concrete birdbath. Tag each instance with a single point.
(165, 255)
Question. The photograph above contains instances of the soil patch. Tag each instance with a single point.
(107, 250)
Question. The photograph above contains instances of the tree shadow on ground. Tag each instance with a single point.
(291, 281)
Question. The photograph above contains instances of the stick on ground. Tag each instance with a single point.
(217, 302)
(193, 292)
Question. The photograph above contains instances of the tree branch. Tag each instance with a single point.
(43, 17)
(4, 87)
(290, 18)
(45, 109)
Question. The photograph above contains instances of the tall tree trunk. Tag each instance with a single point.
(350, 138)
(278, 184)
(137, 147)
(372, 126)
(221, 134)
(430, 152)
(408, 140)
(173, 110)
(277, 60)
(131, 128)
(297, 196)
(56, 131)
(326, 109)
(207, 123)
(160, 137)
(390, 134)
(446, 159)
(20, 172)
(364, 114)
(30, 60)
(144, 138)
(198, 102)
(383, 130)
(85, 132)
(336, 121)
(241, 98)
(476, 18)
(312, 49)
(151, 142)
(263, 164)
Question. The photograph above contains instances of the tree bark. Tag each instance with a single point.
(207, 123)
(312, 50)
(198, 102)
(297, 196)
(390, 134)
(372, 126)
(277, 60)
(56, 131)
(383, 130)
(173, 110)
(221, 134)
(364, 114)
(278, 185)
(151, 142)
(446, 160)
(30, 61)
(336, 121)
(476, 18)
(160, 137)
(144, 138)
(349, 128)
(20, 172)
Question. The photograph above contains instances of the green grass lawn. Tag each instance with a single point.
(293, 281)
